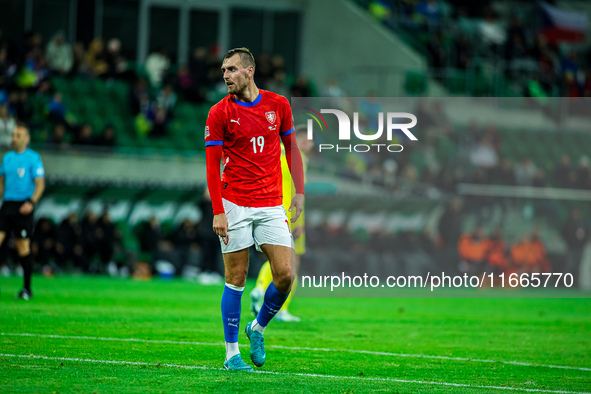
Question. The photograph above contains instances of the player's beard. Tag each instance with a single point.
(235, 88)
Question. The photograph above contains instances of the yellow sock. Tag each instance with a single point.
(265, 277)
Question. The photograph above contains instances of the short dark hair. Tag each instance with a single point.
(246, 57)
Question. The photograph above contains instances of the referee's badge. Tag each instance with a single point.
(20, 172)
(271, 116)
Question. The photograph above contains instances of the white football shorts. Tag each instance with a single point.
(249, 226)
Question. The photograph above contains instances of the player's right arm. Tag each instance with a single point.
(214, 141)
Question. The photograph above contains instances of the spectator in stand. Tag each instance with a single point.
(7, 126)
(56, 109)
(84, 136)
(463, 52)
(493, 34)
(106, 238)
(185, 242)
(264, 71)
(6, 69)
(575, 234)
(159, 122)
(333, 89)
(167, 99)
(186, 85)
(583, 174)
(69, 247)
(107, 139)
(473, 250)
(34, 72)
(539, 178)
(43, 244)
(157, 65)
(277, 84)
(528, 256)
(518, 56)
(57, 139)
(95, 59)
(150, 237)
(277, 64)
(429, 12)
(484, 155)
(79, 60)
(117, 62)
(199, 67)
(301, 88)
(516, 28)
(564, 175)
(138, 95)
(28, 47)
(88, 228)
(496, 256)
(214, 74)
(525, 172)
(59, 54)
(23, 107)
(504, 174)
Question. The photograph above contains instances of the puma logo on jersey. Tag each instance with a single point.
(235, 121)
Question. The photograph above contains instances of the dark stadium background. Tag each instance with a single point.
(127, 284)
(117, 93)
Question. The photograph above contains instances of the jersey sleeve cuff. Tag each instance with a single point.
(212, 143)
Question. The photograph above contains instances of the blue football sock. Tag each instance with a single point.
(231, 313)
(274, 300)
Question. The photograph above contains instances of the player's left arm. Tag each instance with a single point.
(294, 161)
(39, 178)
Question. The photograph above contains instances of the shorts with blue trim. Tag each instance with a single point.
(249, 226)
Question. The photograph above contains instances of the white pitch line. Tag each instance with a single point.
(314, 349)
(304, 375)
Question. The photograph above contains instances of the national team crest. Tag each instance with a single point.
(271, 116)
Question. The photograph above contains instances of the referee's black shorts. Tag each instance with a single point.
(11, 220)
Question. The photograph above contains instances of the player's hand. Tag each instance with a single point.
(220, 225)
(26, 208)
(297, 202)
(297, 232)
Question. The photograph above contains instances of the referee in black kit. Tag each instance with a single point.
(21, 185)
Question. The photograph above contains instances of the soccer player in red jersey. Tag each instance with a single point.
(244, 131)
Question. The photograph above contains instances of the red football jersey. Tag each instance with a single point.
(251, 136)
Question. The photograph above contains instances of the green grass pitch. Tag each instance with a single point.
(95, 334)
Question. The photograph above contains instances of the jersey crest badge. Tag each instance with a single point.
(271, 116)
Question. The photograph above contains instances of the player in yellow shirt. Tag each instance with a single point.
(297, 230)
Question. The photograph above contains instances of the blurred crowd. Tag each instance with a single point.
(27, 66)
(448, 249)
(464, 35)
(96, 245)
(448, 155)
